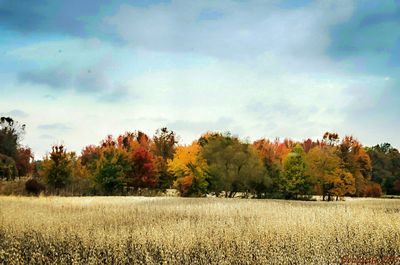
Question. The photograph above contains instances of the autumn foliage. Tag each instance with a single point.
(217, 163)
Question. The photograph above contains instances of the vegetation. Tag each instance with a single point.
(15, 160)
(138, 230)
(217, 163)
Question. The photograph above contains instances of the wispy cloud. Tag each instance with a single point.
(16, 113)
(54, 126)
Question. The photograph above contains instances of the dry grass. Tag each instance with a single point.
(135, 230)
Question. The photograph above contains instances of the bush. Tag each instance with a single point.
(373, 190)
(33, 186)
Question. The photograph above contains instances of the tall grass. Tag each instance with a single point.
(138, 230)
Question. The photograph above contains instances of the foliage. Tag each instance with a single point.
(11, 133)
(385, 167)
(233, 166)
(110, 169)
(142, 172)
(295, 182)
(163, 148)
(217, 163)
(273, 154)
(190, 170)
(356, 161)
(373, 190)
(326, 170)
(58, 169)
(33, 186)
(8, 169)
(23, 161)
(14, 161)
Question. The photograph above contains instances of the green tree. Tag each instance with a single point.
(10, 134)
(8, 169)
(385, 162)
(295, 182)
(111, 168)
(11, 159)
(233, 166)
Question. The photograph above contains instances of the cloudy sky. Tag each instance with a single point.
(74, 71)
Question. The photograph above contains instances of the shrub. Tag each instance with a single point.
(33, 186)
(373, 190)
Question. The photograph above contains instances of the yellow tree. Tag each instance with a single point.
(328, 173)
(356, 161)
(189, 170)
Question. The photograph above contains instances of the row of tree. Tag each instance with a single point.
(216, 163)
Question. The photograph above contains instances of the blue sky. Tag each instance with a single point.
(75, 71)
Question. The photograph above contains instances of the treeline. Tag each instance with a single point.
(216, 163)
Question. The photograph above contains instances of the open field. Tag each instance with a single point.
(138, 230)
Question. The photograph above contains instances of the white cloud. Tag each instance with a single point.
(244, 29)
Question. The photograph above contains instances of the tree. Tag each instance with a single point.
(273, 154)
(110, 169)
(8, 169)
(294, 180)
(385, 162)
(10, 134)
(23, 161)
(331, 139)
(141, 173)
(342, 182)
(164, 145)
(189, 170)
(233, 166)
(326, 170)
(356, 161)
(57, 170)
(89, 157)
(12, 159)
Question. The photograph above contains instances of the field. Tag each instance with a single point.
(139, 230)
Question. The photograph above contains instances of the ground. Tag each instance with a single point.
(143, 230)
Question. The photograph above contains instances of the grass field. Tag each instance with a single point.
(138, 230)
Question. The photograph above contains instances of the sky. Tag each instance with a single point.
(75, 71)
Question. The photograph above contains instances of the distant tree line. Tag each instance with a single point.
(216, 163)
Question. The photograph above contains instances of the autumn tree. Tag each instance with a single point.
(142, 169)
(327, 172)
(23, 161)
(89, 157)
(190, 170)
(57, 169)
(164, 145)
(273, 153)
(356, 161)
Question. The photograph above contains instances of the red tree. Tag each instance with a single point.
(23, 161)
(142, 172)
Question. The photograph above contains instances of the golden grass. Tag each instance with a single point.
(138, 230)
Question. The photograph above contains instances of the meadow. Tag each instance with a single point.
(163, 230)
